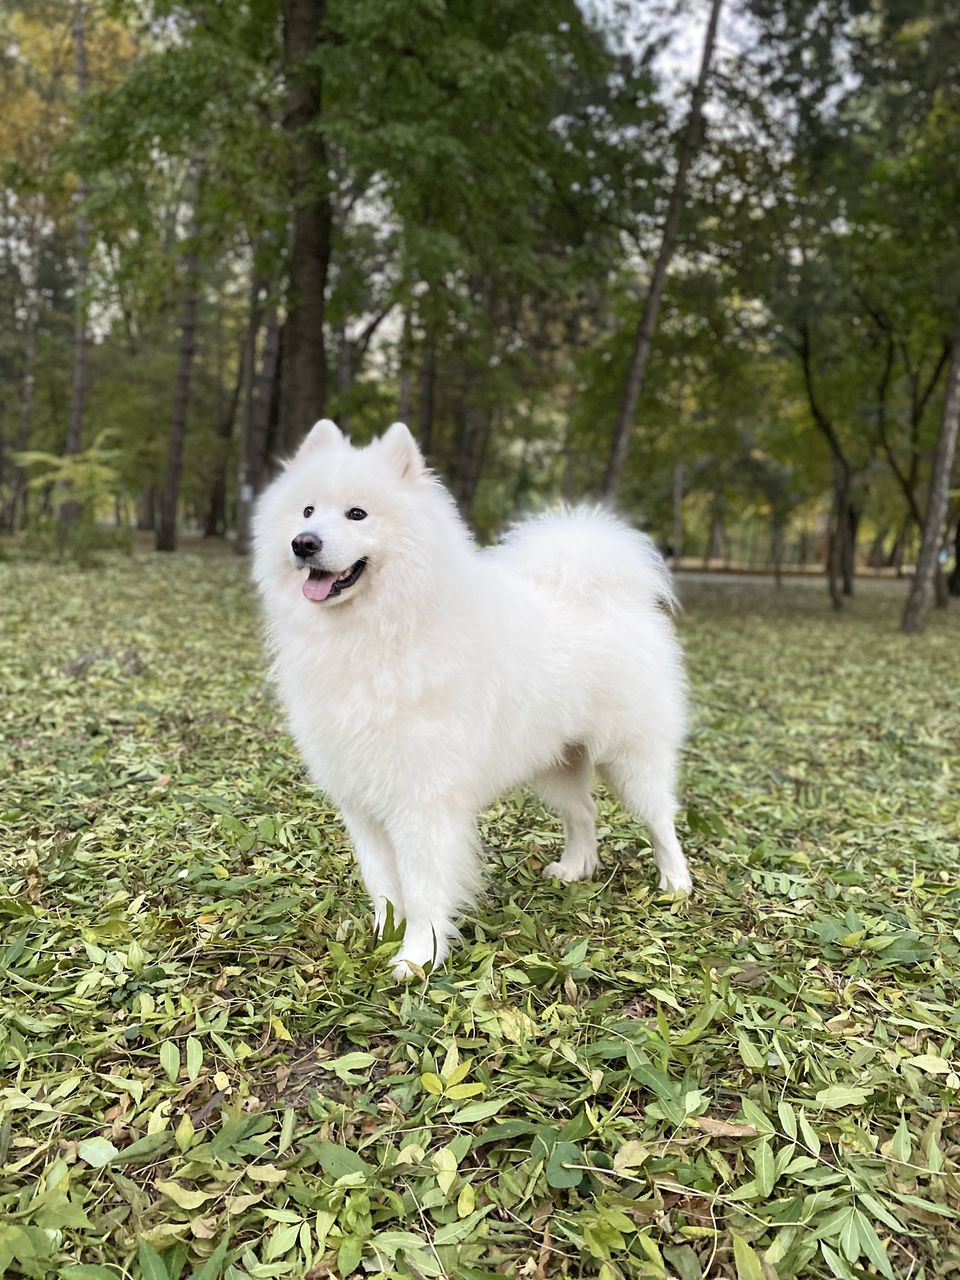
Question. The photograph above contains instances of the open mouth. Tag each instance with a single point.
(326, 586)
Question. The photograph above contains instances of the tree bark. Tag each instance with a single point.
(215, 520)
(405, 397)
(643, 340)
(677, 515)
(919, 399)
(215, 523)
(849, 527)
(428, 380)
(834, 536)
(19, 494)
(147, 509)
(304, 378)
(845, 517)
(776, 546)
(69, 510)
(476, 423)
(257, 415)
(899, 547)
(875, 556)
(921, 589)
(715, 538)
(166, 539)
(953, 582)
(344, 376)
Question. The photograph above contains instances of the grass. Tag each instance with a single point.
(205, 1071)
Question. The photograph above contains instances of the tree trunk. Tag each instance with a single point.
(147, 509)
(69, 509)
(428, 379)
(258, 411)
(835, 536)
(677, 515)
(304, 379)
(921, 588)
(166, 539)
(476, 423)
(569, 486)
(803, 547)
(850, 524)
(215, 522)
(19, 496)
(776, 546)
(344, 377)
(841, 538)
(643, 340)
(875, 556)
(953, 582)
(899, 547)
(405, 397)
(715, 538)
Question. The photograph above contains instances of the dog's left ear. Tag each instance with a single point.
(400, 448)
(324, 434)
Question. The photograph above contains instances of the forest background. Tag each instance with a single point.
(702, 262)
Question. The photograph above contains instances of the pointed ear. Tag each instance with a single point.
(400, 449)
(324, 434)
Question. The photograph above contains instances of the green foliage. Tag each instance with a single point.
(92, 475)
(497, 178)
(207, 1071)
(90, 481)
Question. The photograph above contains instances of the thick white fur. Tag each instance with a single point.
(448, 674)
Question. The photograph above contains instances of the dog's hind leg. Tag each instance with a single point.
(438, 871)
(643, 777)
(566, 788)
(378, 865)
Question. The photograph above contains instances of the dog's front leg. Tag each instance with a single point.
(437, 868)
(378, 865)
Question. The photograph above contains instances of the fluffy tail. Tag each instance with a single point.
(584, 552)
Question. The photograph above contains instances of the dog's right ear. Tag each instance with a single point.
(399, 446)
(324, 434)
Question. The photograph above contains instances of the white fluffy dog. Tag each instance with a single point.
(423, 676)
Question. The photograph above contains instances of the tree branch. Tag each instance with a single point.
(823, 423)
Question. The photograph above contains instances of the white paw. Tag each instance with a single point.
(582, 869)
(676, 881)
(415, 954)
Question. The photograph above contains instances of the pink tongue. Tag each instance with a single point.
(319, 588)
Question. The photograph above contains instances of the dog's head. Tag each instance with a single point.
(339, 520)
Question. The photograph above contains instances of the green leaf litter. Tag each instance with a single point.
(205, 1070)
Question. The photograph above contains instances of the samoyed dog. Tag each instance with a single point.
(423, 676)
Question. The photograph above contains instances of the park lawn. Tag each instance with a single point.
(205, 1070)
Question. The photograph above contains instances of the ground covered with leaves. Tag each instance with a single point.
(205, 1070)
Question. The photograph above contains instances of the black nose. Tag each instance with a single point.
(306, 544)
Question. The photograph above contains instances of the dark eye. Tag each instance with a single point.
(356, 513)
(307, 512)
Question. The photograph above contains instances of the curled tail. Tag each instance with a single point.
(586, 551)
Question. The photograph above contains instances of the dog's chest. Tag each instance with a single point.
(355, 709)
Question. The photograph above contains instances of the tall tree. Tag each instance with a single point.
(78, 400)
(166, 539)
(304, 341)
(921, 589)
(643, 341)
(259, 412)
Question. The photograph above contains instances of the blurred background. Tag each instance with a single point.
(700, 259)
